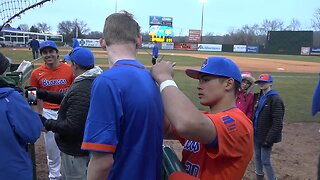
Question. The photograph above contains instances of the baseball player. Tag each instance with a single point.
(155, 52)
(57, 77)
(34, 45)
(217, 144)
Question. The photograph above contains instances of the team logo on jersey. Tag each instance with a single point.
(192, 146)
(53, 82)
(229, 123)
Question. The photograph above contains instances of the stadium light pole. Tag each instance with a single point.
(203, 2)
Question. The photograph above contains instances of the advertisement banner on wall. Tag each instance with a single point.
(194, 35)
(89, 42)
(315, 51)
(210, 47)
(239, 48)
(147, 45)
(252, 49)
(186, 46)
(167, 46)
(305, 51)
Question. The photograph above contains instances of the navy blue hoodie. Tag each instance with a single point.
(19, 125)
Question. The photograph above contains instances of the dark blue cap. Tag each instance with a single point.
(218, 66)
(46, 44)
(81, 56)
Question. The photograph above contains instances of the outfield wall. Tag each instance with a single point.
(236, 48)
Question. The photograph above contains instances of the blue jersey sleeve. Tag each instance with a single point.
(104, 116)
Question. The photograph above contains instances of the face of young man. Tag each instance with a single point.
(264, 85)
(210, 89)
(50, 56)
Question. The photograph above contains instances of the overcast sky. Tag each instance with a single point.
(220, 16)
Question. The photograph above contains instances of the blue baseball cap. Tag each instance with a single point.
(46, 44)
(81, 56)
(218, 66)
(267, 78)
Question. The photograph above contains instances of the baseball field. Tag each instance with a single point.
(295, 78)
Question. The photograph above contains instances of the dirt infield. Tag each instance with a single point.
(245, 63)
(295, 158)
(249, 64)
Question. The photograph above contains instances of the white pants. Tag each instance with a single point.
(53, 152)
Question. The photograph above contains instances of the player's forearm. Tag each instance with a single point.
(99, 166)
(188, 121)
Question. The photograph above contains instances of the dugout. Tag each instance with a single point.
(288, 42)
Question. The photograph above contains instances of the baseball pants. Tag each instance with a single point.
(53, 152)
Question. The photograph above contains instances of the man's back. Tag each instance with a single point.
(34, 44)
(128, 119)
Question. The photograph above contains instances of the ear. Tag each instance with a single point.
(139, 42)
(103, 44)
(229, 84)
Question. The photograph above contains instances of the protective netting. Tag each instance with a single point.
(11, 9)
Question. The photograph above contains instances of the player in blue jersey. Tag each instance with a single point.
(125, 121)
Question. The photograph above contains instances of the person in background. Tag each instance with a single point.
(34, 45)
(155, 52)
(268, 124)
(69, 127)
(57, 77)
(245, 95)
(217, 144)
(124, 128)
(20, 125)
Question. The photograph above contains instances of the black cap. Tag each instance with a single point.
(4, 63)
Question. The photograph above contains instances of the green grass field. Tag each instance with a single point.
(296, 89)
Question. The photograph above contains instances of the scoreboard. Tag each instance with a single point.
(160, 29)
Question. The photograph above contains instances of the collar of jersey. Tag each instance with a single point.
(129, 62)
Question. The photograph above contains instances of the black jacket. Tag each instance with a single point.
(268, 125)
(72, 115)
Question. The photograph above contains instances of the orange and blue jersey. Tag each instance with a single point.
(126, 119)
(230, 153)
(55, 80)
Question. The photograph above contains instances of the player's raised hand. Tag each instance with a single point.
(162, 71)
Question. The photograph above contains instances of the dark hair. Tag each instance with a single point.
(236, 86)
(84, 67)
(120, 28)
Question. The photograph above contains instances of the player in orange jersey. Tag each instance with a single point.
(217, 144)
(57, 77)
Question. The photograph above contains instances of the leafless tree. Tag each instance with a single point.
(271, 25)
(70, 29)
(43, 27)
(24, 27)
(316, 20)
(294, 25)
